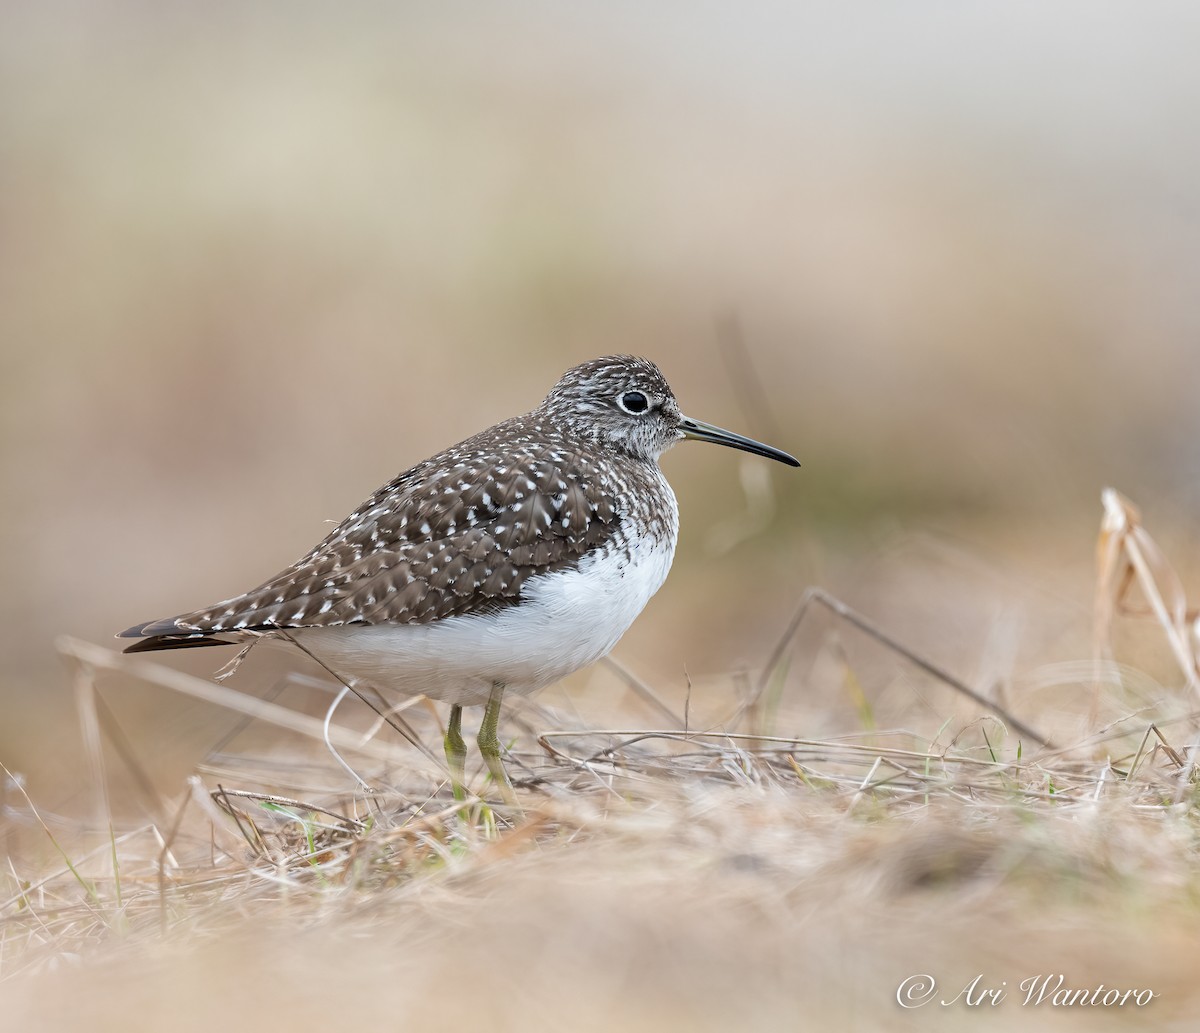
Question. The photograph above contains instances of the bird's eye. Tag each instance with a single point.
(634, 402)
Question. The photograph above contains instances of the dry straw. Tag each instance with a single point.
(289, 828)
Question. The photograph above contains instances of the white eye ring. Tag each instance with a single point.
(634, 402)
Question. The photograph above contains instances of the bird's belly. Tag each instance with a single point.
(565, 621)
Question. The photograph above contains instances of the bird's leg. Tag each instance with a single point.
(489, 744)
(456, 753)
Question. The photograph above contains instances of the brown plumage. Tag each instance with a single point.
(460, 533)
(500, 564)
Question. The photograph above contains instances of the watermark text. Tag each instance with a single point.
(1040, 991)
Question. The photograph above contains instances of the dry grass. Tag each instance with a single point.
(695, 877)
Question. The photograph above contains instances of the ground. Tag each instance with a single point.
(721, 873)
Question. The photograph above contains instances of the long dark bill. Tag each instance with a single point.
(700, 431)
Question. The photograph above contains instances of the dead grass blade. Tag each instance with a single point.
(1126, 553)
(643, 691)
(840, 609)
(178, 681)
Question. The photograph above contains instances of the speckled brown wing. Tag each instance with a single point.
(457, 534)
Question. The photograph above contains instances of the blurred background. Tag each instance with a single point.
(255, 261)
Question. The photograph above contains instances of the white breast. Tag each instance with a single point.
(565, 621)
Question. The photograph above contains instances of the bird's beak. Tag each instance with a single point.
(707, 432)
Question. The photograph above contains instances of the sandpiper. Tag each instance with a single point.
(501, 564)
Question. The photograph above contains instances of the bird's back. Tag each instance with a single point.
(461, 534)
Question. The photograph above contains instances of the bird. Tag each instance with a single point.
(499, 565)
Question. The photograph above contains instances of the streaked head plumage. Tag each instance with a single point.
(625, 402)
(621, 400)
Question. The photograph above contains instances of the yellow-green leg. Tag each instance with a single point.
(456, 753)
(489, 744)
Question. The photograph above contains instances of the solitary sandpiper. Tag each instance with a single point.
(500, 565)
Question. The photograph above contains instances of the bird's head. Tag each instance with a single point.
(626, 403)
